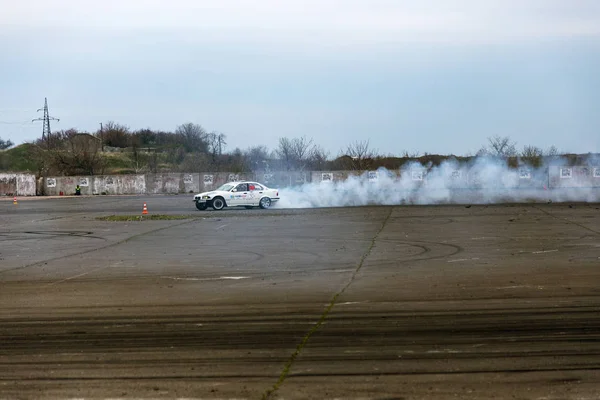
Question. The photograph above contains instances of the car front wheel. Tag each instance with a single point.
(218, 204)
(265, 202)
(201, 206)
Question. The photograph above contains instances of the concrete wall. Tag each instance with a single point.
(173, 183)
(101, 184)
(17, 184)
(119, 184)
(574, 177)
(331, 176)
(65, 185)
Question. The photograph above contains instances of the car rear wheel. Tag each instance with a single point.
(201, 206)
(265, 202)
(218, 203)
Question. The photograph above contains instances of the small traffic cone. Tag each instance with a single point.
(145, 211)
(15, 200)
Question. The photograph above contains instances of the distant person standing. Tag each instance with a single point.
(77, 191)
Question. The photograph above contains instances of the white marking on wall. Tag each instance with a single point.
(566, 173)
(416, 175)
(524, 173)
(208, 179)
(326, 177)
(51, 182)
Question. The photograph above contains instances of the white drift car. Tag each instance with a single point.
(237, 194)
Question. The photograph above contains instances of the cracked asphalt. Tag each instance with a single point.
(390, 302)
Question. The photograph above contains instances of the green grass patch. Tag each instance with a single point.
(18, 159)
(150, 217)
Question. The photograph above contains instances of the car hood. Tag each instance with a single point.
(211, 194)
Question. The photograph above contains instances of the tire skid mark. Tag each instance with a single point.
(286, 370)
(98, 248)
(567, 220)
(35, 235)
(418, 257)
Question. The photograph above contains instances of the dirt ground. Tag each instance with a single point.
(404, 302)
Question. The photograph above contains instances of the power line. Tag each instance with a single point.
(46, 132)
(15, 123)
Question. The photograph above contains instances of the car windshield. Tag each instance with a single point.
(225, 188)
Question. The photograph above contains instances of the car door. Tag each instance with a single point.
(239, 195)
(256, 192)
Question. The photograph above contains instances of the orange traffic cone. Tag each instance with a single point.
(145, 211)
(15, 200)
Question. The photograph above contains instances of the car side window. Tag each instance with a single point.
(256, 186)
(242, 187)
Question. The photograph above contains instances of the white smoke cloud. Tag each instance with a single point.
(481, 181)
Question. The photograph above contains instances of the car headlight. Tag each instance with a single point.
(205, 197)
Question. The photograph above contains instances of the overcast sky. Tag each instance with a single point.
(437, 76)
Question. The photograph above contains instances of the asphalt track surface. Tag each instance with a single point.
(390, 302)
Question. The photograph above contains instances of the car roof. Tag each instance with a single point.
(238, 182)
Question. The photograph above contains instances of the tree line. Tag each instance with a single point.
(115, 148)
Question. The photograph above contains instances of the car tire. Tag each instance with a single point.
(218, 203)
(201, 206)
(265, 203)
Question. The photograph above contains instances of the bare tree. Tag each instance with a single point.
(216, 143)
(236, 161)
(285, 153)
(256, 157)
(294, 153)
(301, 148)
(552, 151)
(532, 151)
(318, 158)
(532, 155)
(5, 144)
(499, 147)
(115, 135)
(77, 154)
(414, 154)
(194, 137)
(139, 159)
(359, 155)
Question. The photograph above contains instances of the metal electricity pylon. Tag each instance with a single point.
(46, 132)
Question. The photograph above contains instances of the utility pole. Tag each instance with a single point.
(46, 132)
(102, 136)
